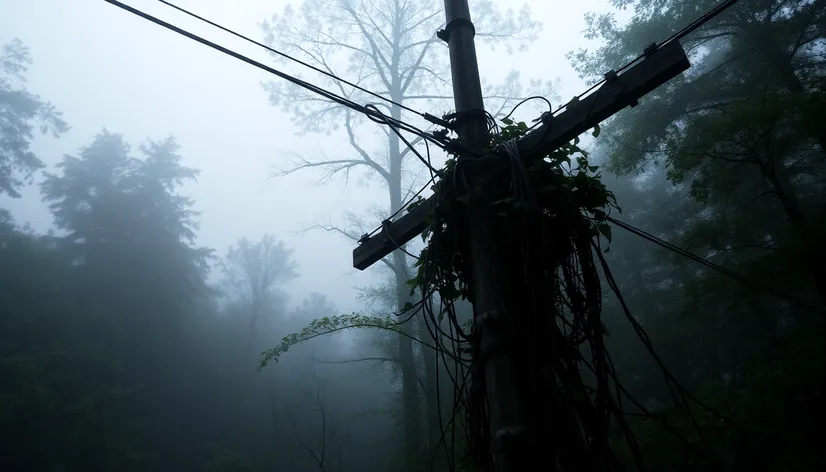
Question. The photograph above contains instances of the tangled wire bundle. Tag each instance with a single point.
(550, 214)
(554, 210)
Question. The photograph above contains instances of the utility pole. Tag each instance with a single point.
(505, 403)
(519, 440)
(619, 91)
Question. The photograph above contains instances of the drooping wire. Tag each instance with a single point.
(681, 400)
(601, 365)
(383, 119)
(793, 299)
(523, 101)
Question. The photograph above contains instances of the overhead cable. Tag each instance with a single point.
(324, 93)
(426, 116)
(728, 272)
(686, 30)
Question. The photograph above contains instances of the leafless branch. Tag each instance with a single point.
(319, 451)
(332, 167)
(353, 236)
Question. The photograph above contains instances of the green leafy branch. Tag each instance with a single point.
(329, 325)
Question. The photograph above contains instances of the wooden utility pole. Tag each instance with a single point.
(505, 405)
(495, 275)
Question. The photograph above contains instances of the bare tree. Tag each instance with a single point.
(390, 48)
(318, 449)
(253, 271)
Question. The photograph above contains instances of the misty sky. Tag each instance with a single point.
(103, 67)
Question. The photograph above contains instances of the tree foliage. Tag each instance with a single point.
(253, 273)
(122, 211)
(726, 163)
(21, 112)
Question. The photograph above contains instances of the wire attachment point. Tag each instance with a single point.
(444, 34)
(437, 121)
(612, 76)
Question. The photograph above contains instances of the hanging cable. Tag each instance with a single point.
(728, 272)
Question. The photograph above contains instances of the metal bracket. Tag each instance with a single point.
(444, 34)
(650, 50)
(611, 76)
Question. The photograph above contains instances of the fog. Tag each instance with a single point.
(216, 108)
(166, 223)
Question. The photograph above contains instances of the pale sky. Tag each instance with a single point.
(103, 67)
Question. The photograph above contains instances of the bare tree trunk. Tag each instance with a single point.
(429, 359)
(778, 176)
(410, 393)
(252, 329)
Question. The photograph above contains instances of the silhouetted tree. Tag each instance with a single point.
(254, 272)
(130, 236)
(20, 112)
(65, 402)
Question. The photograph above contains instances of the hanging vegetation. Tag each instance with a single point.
(555, 210)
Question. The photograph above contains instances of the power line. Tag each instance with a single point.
(710, 15)
(686, 30)
(426, 116)
(370, 111)
(324, 93)
(728, 272)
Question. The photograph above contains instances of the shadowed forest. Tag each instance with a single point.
(126, 345)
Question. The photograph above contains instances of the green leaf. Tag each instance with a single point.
(507, 121)
(414, 282)
(605, 230)
(596, 131)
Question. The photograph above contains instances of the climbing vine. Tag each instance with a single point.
(561, 189)
(556, 207)
(566, 181)
(569, 188)
(548, 213)
(324, 326)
